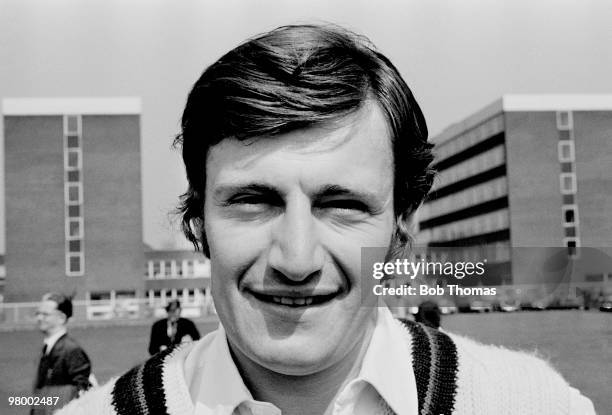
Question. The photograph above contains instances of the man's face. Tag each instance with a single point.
(48, 317)
(174, 314)
(285, 220)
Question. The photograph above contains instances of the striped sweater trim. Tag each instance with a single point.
(140, 391)
(435, 366)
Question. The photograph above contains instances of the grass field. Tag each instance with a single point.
(578, 343)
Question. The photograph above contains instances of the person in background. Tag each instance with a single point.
(428, 314)
(64, 367)
(172, 330)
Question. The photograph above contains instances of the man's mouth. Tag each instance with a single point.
(294, 301)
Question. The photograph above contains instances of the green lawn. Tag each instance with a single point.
(578, 343)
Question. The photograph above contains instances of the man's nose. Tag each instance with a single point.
(296, 250)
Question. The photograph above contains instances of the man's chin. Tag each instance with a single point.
(293, 357)
(294, 363)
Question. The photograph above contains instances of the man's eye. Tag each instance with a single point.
(353, 206)
(246, 200)
(252, 203)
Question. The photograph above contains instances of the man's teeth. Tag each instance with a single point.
(292, 300)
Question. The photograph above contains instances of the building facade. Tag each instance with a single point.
(526, 184)
(182, 275)
(73, 197)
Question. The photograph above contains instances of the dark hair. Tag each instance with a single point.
(173, 305)
(297, 77)
(429, 314)
(64, 303)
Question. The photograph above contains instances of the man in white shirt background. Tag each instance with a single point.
(64, 367)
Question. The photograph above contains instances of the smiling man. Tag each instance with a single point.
(302, 146)
(284, 226)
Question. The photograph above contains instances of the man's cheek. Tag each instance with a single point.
(230, 234)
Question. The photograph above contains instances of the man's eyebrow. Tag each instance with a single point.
(326, 191)
(334, 190)
(229, 189)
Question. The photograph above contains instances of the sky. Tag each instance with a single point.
(457, 57)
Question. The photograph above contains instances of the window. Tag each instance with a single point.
(73, 159)
(121, 294)
(568, 199)
(565, 135)
(74, 246)
(189, 268)
(72, 141)
(100, 295)
(156, 269)
(570, 214)
(565, 120)
(74, 211)
(74, 228)
(570, 231)
(74, 264)
(572, 244)
(72, 125)
(74, 194)
(566, 151)
(73, 176)
(568, 183)
(567, 167)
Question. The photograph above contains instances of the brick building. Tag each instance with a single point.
(73, 197)
(526, 183)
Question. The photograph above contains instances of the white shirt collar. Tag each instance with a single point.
(52, 339)
(212, 376)
(387, 365)
(216, 386)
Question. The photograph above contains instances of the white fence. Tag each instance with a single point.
(16, 314)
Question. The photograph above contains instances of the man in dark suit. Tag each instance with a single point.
(64, 367)
(172, 330)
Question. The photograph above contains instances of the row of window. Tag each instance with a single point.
(163, 269)
(477, 225)
(490, 190)
(598, 277)
(568, 181)
(494, 252)
(111, 295)
(183, 294)
(187, 296)
(470, 167)
(475, 135)
(73, 195)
